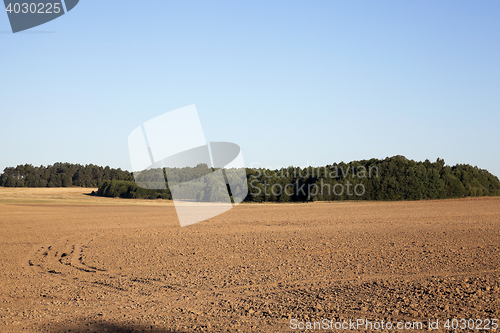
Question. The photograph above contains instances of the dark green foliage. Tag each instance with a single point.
(393, 178)
(60, 175)
(129, 189)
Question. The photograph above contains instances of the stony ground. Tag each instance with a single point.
(74, 263)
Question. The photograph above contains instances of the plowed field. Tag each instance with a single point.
(73, 262)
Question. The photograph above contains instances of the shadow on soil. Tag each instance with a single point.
(87, 327)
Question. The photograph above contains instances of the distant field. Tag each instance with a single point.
(70, 261)
(65, 196)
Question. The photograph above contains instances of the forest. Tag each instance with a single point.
(60, 175)
(392, 178)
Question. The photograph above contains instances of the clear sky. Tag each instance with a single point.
(291, 82)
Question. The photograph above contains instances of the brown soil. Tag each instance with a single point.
(72, 262)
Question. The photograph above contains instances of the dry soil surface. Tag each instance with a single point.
(70, 262)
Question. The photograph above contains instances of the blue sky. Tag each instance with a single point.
(291, 82)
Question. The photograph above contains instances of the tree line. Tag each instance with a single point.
(392, 178)
(60, 175)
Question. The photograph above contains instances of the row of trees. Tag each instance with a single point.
(151, 184)
(60, 175)
(393, 178)
(129, 189)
